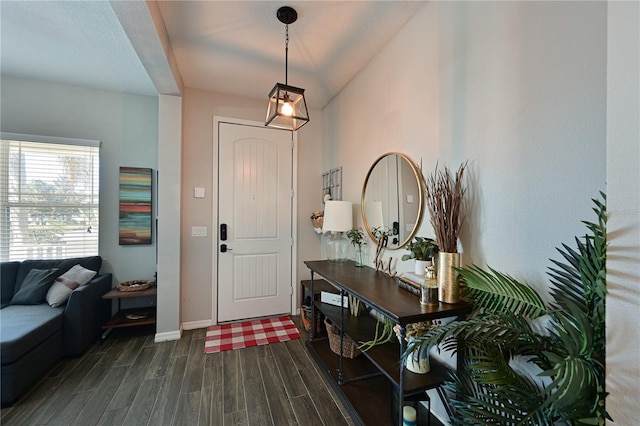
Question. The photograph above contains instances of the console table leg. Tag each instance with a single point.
(403, 347)
(341, 371)
(312, 320)
(444, 400)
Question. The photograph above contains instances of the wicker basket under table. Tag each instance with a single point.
(349, 348)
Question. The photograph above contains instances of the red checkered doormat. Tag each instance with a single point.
(249, 333)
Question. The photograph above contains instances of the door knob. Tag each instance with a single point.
(224, 248)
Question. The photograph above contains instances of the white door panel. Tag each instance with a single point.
(255, 199)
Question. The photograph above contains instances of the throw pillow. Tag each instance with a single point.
(79, 274)
(34, 288)
(60, 291)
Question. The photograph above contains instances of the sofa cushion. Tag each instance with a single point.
(35, 286)
(93, 263)
(23, 327)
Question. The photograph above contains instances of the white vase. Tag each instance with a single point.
(417, 364)
(420, 267)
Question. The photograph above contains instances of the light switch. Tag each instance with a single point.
(198, 192)
(409, 199)
(198, 231)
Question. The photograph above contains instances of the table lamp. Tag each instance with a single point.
(338, 218)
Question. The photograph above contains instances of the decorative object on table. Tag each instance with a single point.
(135, 285)
(448, 277)
(332, 185)
(356, 237)
(355, 306)
(135, 206)
(381, 336)
(408, 285)
(316, 220)
(409, 416)
(382, 237)
(338, 219)
(429, 288)
(334, 299)
(423, 250)
(411, 282)
(393, 198)
(445, 194)
(349, 348)
(249, 333)
(287, 107)
(416, 360)
(137, 316)
(513, 333)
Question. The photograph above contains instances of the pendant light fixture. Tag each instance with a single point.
(287, 107)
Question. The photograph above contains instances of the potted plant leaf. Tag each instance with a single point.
(511, 326)
(356, 237)
(423, 250)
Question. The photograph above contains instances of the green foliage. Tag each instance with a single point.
(381, 336)
(356, 237)
(488, 389)
(421, 248)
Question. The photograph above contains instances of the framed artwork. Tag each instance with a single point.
(332, 185)
(135, 205)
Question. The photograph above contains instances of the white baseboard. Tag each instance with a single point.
(169, 335)
(192, 325)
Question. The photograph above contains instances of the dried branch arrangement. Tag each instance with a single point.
(444, 198)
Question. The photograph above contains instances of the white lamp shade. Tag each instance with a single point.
(338, 216)
(373, 212)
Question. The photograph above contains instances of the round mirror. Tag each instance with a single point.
(392, 199)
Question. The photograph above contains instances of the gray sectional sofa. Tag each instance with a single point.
(33, 337)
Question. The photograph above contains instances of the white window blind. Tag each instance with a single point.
(49, 191)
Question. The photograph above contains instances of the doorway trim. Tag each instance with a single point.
(214, 216)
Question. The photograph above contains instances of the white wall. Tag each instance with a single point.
(198, 295)
(516, 88)
(169, 214)
(623, 204)
(127, 126)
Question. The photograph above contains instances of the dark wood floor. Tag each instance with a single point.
(130, 380)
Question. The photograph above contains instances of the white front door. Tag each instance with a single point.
(255, 199)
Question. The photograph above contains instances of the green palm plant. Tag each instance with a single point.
(570, 355)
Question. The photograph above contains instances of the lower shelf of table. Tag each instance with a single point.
(120, 319)
(369, 401)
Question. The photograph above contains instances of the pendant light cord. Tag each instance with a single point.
(286, 55)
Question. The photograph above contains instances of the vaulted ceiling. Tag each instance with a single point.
(233, 47)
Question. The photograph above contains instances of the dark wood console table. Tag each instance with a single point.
(367, 383)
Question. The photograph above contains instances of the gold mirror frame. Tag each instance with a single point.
(401, 196)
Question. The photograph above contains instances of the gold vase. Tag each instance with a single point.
(448, 277)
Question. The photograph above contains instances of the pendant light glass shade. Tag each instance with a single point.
(287, 108)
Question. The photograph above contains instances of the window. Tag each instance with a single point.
(49, 197)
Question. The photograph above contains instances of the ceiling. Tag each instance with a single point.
(233, 47)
